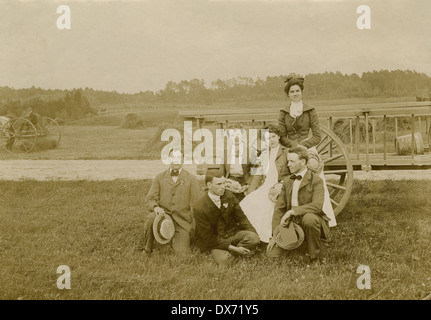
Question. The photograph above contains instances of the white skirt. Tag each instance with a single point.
(259, 210)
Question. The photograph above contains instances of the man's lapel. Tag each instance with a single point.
(306, 180)
(289, 190)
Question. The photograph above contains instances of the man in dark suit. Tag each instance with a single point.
(221, 226)
(301, 196)
(172, 192)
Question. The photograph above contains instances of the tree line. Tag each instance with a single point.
(329, 85)
(73, 105)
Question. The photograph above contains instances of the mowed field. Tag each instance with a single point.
(95, 228)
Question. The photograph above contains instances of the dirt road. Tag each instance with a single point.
(135, 169)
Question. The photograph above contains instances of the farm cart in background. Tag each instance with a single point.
(384, 136)
(22, 134)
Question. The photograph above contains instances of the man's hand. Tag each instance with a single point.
(244, 188)
(285, 219)
(159, 211)
(271, 244)
(241, 250)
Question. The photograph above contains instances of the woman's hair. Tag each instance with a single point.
(273, 128)
(293, 79)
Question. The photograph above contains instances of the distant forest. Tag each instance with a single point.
(78, 103)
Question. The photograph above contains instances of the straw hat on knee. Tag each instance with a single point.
(163, 228)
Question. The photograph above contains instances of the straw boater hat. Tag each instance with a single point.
(289, 237)
(163, 228)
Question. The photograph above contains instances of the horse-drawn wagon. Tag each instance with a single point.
(383, 136)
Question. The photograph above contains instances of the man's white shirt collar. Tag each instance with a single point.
(215, 199)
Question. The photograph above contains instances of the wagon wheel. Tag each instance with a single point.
(18, 135)
(338, 168)
(51, 129)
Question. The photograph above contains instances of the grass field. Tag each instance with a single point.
(95, 228)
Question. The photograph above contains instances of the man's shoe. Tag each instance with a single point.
(312, 261)
(147, 253)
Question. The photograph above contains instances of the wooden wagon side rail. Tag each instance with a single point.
(323, 111)
(356, 115)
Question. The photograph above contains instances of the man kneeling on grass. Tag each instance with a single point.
(172, 195)
(221, 226)
(301, 199)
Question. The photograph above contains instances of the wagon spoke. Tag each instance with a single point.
(332, 148)
(24, 145)
(335, 203)
(48, 125)
(337, 156)
(14, 144)
(319, 146)
(28, 142)
(336, 186)
(49, 128)
(322, 145)
(8, 132)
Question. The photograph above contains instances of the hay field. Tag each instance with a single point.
(92, 142)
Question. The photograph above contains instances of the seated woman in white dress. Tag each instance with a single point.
(257, 206)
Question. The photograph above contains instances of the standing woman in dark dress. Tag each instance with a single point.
(296, 120)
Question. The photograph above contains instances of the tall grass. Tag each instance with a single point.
(95, 228)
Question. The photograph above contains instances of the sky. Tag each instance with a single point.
(132, 46)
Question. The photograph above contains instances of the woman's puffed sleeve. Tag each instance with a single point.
(284, 140)
(315, 130)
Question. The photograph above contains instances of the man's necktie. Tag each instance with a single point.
(175, 173)
(297, 177)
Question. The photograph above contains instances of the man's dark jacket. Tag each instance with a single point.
(216, 227)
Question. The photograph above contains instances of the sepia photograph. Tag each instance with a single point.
(215, 154)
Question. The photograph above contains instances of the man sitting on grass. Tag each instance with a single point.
(172, 192)
(221, 226)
